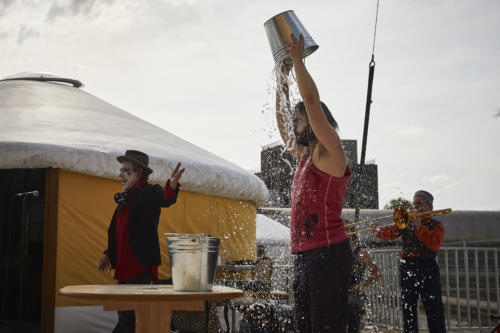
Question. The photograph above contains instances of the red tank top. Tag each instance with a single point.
(317, 200)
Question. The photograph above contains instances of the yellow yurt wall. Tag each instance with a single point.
(86, 205)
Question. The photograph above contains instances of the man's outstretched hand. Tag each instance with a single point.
(176, 175)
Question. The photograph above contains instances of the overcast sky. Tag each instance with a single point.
(203, 70)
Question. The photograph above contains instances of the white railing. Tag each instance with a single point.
(470, 282)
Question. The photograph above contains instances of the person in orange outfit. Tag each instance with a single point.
(418, 269)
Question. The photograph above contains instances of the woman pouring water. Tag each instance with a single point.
(323, 256)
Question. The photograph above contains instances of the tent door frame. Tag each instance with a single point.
(50, 250)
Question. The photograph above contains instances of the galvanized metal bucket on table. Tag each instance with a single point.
(278, 29)
(193, 259)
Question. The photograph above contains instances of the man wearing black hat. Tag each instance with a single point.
(133, 244)
(418, 269)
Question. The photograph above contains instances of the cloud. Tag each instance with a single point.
(181, 2)
(4, 4)
(26, 33)
(453, 187)
(410, 131)
(74, 8)
(436, 179)
(442, 183)
(83, 6)
(184, 47)
(54, 12)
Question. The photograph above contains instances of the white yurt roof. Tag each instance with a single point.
(49, 122)
(270, 231)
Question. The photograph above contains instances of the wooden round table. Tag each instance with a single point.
(153, 304)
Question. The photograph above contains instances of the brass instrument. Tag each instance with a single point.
(401, 218)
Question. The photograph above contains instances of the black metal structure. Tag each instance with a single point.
(371, 72)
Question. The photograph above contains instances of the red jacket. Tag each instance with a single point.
(138, 249)
(422, 242)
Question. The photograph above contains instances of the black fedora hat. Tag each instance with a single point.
(137, 157)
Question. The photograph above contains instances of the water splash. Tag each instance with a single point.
(269, 112)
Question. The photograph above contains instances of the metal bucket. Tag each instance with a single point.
(193, 259)
(278, 30)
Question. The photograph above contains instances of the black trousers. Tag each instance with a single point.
(356, 305)
(321, 283)
(420, 277)
(126, 319)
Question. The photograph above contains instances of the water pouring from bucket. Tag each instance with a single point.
(278, 29)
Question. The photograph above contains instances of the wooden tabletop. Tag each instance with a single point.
(141, 292)
(236, 268)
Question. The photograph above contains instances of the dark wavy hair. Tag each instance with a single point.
(300, 107)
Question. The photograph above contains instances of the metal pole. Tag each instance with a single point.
(467, 289)
(457, 276)
(447, 286)
(495, 256)
(487, 286)
(367, 109)
(21, 259)
(359, 186)
(478, 290)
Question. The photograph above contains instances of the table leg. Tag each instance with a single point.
(226, 317)
(233, 319)
(154, 317)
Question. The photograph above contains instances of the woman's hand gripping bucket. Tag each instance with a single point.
(278, 29)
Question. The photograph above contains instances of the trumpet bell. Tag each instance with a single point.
(401, 217)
